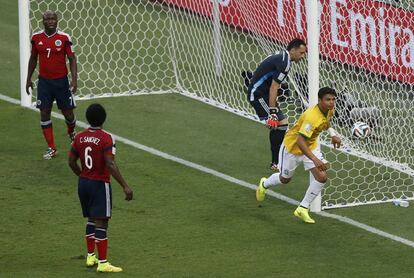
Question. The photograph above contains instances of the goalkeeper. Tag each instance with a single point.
(263, 91)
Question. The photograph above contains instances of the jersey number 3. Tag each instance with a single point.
(88, 158)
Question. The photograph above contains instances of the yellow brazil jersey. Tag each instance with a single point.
(310, 124)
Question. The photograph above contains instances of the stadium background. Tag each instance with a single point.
(183, 223)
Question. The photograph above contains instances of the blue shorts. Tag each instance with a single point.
(261, 106)
(49, 90)
(95, 198)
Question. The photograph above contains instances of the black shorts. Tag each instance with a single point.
(49, 90)
(261, 106)
(95, 198)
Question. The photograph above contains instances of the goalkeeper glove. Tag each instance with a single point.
(273, 121)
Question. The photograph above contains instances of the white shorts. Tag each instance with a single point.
(289, 162)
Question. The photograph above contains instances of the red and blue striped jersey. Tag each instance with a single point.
(91, 146)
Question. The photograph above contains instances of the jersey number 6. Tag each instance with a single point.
(88, 158)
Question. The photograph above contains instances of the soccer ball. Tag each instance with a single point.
(361, 130)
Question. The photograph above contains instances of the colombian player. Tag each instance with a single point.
(301, 145)
(95, 148)
(52, 47)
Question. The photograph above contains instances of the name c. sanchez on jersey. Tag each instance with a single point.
(88, 139)
(92, 146)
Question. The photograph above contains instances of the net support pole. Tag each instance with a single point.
(217, 36)
(313, 67)
(24, 48)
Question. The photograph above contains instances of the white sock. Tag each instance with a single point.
(313, 190)
(273, 180)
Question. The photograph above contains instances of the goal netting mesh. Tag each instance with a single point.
(200, 49)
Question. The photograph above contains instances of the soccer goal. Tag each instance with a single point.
(364, 49)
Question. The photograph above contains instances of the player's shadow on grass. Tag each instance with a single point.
(264, 215)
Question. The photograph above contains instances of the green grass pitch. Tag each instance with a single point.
(182, 223)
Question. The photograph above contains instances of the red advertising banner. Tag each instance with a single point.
(364, 33)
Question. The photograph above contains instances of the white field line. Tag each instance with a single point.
(231, 179)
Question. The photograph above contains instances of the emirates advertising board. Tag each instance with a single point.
(364, 33)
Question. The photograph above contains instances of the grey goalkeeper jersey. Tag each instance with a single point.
(274, 67)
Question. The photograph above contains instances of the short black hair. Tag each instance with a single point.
(326, 91)
(95, 115)
(49, 12)
(295, 43)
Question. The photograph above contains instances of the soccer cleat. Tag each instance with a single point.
(260, 191)
(303, 213)
(107, 267)
(91, 260)
(274, 168)
(72, 136)
(50, 153)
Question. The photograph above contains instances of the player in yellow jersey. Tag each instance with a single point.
(301, 145)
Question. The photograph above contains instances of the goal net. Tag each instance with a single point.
(201, 48)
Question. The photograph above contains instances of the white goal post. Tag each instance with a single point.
(364, 49)
(24, 47)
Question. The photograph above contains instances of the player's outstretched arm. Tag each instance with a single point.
(31, 67)
(114, 170)
(74, 73)
(336, 141)
(273, 91)
(74, 165)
